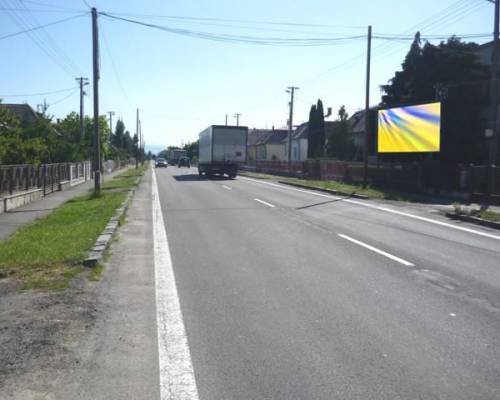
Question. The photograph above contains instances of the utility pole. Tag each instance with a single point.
(82, 82)
(237, 116)
(111, 113)
(367, 107)
(492, 132)
(97, 136)
(291, 90)
(137, 136)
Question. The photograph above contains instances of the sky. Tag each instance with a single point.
(182, 84)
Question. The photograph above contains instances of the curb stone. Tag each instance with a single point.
(96, 253)
(330, 191)
(474, 220)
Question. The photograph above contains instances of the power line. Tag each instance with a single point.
(51, 43)
(64, 98)
(40, 3)
(241, 38)
(113, 65)
(39, 26)
(189, 18)
(38, 94)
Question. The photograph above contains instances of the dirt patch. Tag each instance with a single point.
(38, 335)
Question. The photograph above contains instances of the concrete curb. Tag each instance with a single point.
(330, 191)
(474, 220)
(96, 253)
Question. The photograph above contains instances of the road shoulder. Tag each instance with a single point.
(94, 340)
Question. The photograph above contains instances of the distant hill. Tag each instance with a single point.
(153, 148)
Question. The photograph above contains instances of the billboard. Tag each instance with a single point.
(410, 129)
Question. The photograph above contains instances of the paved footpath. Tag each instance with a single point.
(13, 219)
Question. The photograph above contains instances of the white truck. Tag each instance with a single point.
(222, 149)
(174, 156)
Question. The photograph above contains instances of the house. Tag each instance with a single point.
(253, 137)
(23, 112)
(358, 124)
(270, 145)
(299, 142)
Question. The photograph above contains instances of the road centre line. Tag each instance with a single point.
(177, 380)
(381, 252)
(265, 203)
(359, 203)
(226, 187)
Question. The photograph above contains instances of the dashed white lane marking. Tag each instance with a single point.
(359, 203)
(226, 187)
(177, 380)
(265, 203)
(381, 252)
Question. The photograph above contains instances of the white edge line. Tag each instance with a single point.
(381, 252)
(359, 203)
(177, 379)
(265, 203)
(226, 187)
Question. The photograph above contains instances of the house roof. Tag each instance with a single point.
(255, 134)
(23, 112)
(357, 120)
(302, 131)
(272, 137)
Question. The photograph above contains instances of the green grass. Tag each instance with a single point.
(489, 215)
(125, 180)
(47, 254)
(96, 272)
(374, 193)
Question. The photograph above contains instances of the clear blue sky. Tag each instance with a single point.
(183, 84)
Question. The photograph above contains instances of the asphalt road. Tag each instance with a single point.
(288, 294)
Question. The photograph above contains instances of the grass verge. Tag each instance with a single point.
(374, 193)
(486, 214)
(125, 180)
(48, 253)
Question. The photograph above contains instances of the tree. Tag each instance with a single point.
(191, 149)
(316, 131)
(340, 142)
(453, 66)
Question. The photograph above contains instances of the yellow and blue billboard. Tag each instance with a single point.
(410, 129)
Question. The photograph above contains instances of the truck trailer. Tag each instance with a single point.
(222, 149)
(175, 155)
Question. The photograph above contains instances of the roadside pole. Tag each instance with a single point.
(137, 137)
(82, 82)
(492, 132)
(97, 136)
(367, 107)
(237, 116)
(291, 90)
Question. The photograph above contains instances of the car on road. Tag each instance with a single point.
(184, 162)
(161, 163)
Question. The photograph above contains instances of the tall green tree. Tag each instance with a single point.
(453, 69)
(341, 141)
(316, 131)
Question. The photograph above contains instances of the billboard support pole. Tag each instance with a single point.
(367, 107)
(493, 140)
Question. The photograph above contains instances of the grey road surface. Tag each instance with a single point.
(287, 294)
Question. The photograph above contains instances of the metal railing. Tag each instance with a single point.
(17, 178)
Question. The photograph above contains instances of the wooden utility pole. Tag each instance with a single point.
(111, 113)
(82, 82)
(237, 116)
(97, 136)
(137, 137)
(367, 108)
(291, 90)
